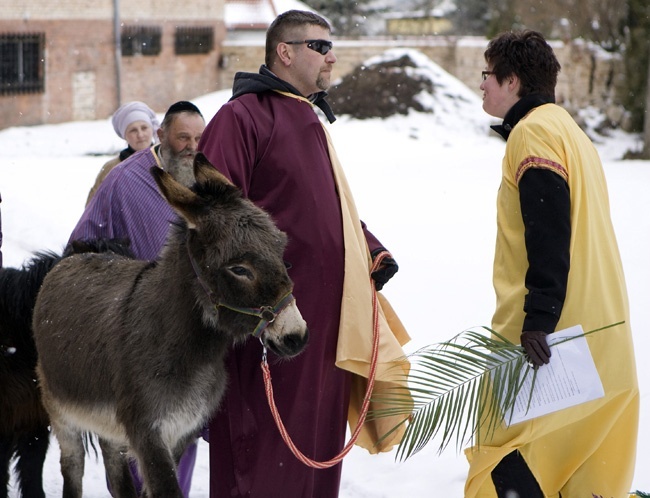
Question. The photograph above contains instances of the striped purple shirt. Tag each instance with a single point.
(129, 204)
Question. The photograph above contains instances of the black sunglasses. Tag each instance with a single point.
(320, 46)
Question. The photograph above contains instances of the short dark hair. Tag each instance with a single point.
(527, 55)
(177, 108)
(282, 26)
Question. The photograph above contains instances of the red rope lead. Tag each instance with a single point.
(366, 400)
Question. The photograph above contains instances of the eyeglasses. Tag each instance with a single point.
(485, 74)
(320, 46)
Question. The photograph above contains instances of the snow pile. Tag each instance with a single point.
(403, 80)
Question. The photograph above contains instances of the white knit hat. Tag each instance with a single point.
(131, 112)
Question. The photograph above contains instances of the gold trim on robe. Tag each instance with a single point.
(355, 342)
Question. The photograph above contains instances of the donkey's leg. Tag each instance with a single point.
(117, 469)
(32, 449)
(156, 465)
(185, 458)
(181, 446)
(72, 458)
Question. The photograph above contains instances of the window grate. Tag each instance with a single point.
(22, 63)
(194, 40)
(141, 40)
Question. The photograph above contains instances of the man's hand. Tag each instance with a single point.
(537, 349)
(384, 273)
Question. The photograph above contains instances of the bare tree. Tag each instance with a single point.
(600, 21)
(596, 20)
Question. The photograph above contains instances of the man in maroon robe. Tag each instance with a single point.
(269, 141)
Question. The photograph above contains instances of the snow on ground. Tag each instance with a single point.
(425, 184)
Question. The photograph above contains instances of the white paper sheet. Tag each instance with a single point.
(569, 379)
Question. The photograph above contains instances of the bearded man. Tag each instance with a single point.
(129, 205)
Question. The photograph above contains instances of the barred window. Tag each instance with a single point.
(22, 63)
(194, 39)
(141, 40)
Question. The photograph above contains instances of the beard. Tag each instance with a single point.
(178, 164)
(323, 83)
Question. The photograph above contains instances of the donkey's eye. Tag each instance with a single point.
(241, 271)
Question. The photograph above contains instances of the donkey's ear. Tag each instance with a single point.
(181, 198)
(204, 172)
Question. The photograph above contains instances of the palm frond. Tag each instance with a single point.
(458, 390)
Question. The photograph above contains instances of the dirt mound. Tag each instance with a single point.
(381, 89)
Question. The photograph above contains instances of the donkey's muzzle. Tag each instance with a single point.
(290, 345)
(287, 335)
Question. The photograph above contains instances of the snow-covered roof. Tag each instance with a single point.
(257, 14)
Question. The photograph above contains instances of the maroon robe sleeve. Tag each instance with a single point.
(373, 242)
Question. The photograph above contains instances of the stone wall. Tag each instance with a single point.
(589, 76)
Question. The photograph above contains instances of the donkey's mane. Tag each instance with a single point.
(213, 192)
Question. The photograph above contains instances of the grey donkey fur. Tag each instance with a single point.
(134, 351)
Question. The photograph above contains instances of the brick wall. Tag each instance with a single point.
(71, 48)
(162, 80)
(103, 9)
(80, 64)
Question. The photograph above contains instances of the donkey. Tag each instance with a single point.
(24, 423)
(134, 351)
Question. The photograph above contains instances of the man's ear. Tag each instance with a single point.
(283, 54)
(161, 134)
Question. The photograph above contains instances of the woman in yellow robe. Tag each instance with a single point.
(556, 265)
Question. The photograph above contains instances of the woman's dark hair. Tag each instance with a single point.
(527, 55)
(285, 26)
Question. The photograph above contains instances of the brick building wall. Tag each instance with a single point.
(80, 62)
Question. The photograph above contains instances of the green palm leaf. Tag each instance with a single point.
(457, 390)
